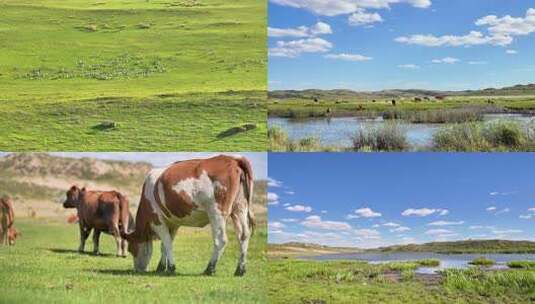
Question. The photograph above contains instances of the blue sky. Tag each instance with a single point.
(161, 159)
(386, 44)
(369, 200)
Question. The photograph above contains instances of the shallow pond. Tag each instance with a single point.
(337, 131)
(446, 260)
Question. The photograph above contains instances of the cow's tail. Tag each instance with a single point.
(247, 181)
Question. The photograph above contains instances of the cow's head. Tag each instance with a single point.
(12, 235)
(73, 197)
(141, 250)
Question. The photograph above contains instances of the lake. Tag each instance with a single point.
(446, 260)
(337, 131)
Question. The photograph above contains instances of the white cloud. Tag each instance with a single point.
(289, 192)
(409, 66)
(476, 62)
(361, 17)
(506, 231)
(275, 227)
(348, 57)
(445, 223)
(511, 52)
(289, 220)
(363, 212)
(294, 48)
(500, 32)
(447, 60)
(424, 212)
(480, 227)
(272, 198)
(491, 208)
(400, 229)
(473, 38)
(315, 221)
(341, 7)
(299, 208)
(505, 210)
(274, 183)
(390, 224)
(367, 233)
(438, 231)
(530, 215)
(320, 28)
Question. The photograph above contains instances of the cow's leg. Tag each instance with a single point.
(243, 234)
(162, 265)
(96, 240)
(118, 240)
(84, 234)
(219, 236)
(167, 245)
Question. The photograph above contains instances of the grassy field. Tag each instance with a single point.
(45, 267)
(302, 108)
(359, 282)
(171, 75)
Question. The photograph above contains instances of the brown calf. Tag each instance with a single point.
(103, 211)
(194, 193)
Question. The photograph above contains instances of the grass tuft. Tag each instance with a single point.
(388, 137)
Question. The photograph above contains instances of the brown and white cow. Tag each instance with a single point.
(103, 211)
(194, 193)
(8, 233)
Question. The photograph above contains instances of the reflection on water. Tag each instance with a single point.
(446, 260)
(337, 131)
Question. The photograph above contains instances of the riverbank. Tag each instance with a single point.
(344, 281)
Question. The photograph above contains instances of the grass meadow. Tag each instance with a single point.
(360, 282)
(170, 75)
(45, 267)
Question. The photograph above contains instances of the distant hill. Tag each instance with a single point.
(305, 249)
(339, 94)
(466, 246)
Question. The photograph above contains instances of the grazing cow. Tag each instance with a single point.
(394, 102)
(417, 99)
(194, 193)
(103, 211)
(8, 233)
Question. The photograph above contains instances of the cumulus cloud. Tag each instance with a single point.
(390, 224)
(348, 57)
(477, 62)
(438, 231)
(400, 229)
(511, 52)
(447, 60)
(289, 220)
(320, 28)
(299, 208)
(275, 227)
(491, 208)
(445, 223)
(274, 183)
(294, 48)
(315, 221)
(342, 7)
(361, 17)
(367, 233)
(500, 31)
(424, 212)
(363, 212)
(529, 215)
(409, 66)
(272, 198)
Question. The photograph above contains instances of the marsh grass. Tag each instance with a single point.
(502, 135)
(387, 137)
(522, 264)
(279, 142)
(482, 261)
(437, 116)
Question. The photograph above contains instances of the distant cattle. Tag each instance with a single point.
(101, 211)
(427, 98)
(440, 97)
(8, 233)
(393, 102)
(417, 99)
(194, 193)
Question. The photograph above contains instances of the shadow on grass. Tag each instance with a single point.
(236, 130)
(124, 272)
(71, 251)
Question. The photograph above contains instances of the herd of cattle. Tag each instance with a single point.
(191, 193)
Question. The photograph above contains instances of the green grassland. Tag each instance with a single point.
(172, 75)
(357, 106)
(359, 282)
(45, 267)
